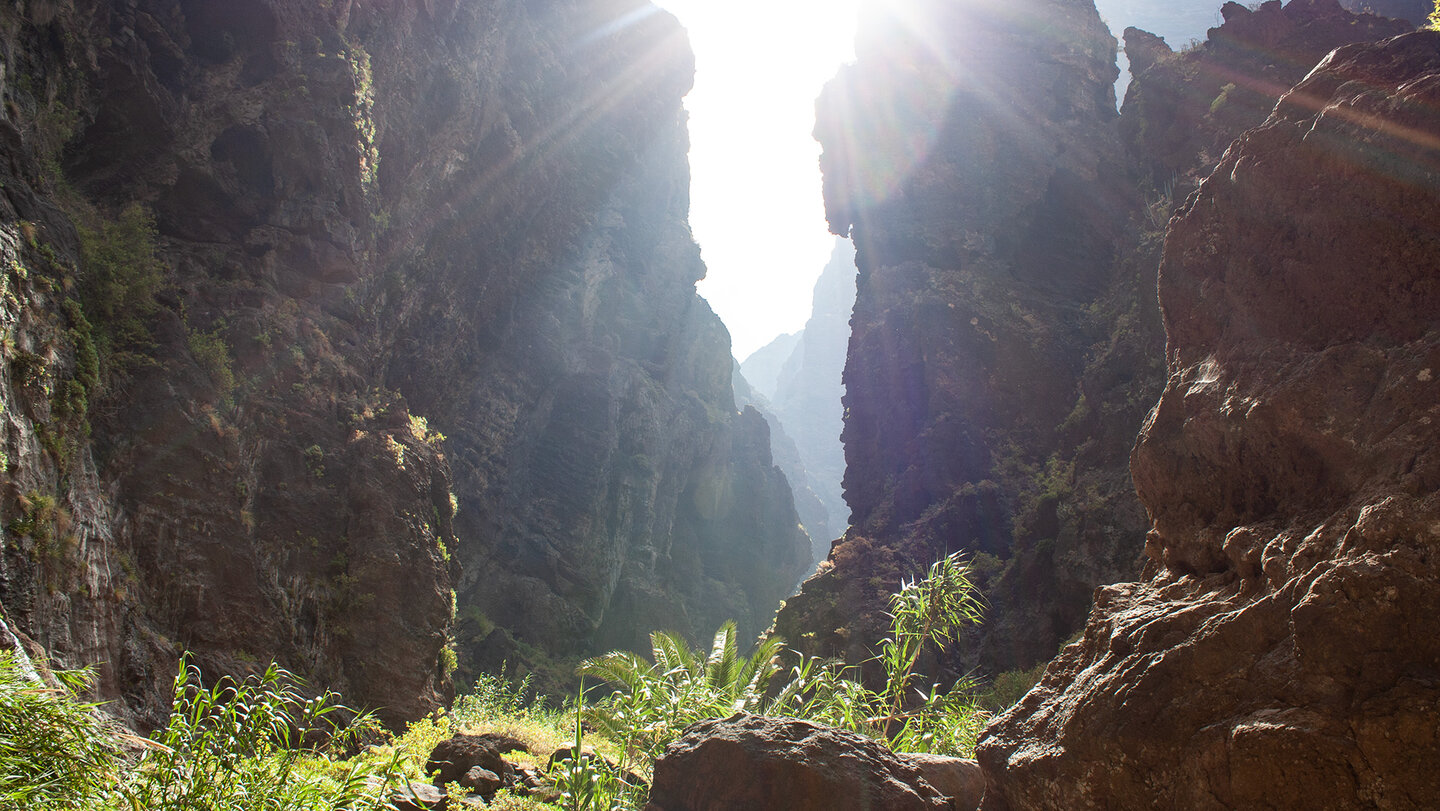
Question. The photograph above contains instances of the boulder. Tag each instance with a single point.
(481, 781)
(749, 761)
(417, 796)
(451, 760)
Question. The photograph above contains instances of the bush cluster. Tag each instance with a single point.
(261, 743)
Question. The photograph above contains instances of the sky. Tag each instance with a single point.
(755, 204)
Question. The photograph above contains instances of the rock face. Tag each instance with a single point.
(977, 169)
(748, 761)
(1276, 655)
(399, 251)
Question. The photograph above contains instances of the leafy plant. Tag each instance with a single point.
(495, 697)
(586, 782)
(655, 702)
(242, 744)
(55, 751)
(931, 610)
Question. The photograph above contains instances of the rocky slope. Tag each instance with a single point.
(1276, 654)
(399, 251)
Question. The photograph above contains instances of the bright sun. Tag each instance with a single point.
(756, 208)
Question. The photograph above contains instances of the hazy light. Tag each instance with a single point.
(756, 208)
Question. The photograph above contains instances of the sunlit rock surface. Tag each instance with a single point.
(410, 249)
(1280, 652)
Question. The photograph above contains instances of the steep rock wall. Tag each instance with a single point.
(364, 214)
(1277, 654)
(971, 152)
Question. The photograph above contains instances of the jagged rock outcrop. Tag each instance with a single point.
(399, 250)
(994, 280)
(1183, 109)
(1278, 653)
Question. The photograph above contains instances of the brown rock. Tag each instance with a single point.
(960, 779)
(452, 759)
(481, 781)
(748, 761)
(1281, 653)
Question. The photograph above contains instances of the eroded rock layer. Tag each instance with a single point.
(284, 276)
(1280, 652)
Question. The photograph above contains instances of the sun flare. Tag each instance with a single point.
(756, 208)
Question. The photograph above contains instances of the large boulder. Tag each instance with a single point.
(1281, 653)
(749, 761)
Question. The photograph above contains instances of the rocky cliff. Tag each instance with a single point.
(1276, 654)
(324, 321)
(973, 158)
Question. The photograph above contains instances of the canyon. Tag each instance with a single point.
(363, 336)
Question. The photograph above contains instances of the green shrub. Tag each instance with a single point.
(932, 610)
(121, 274)
(213, 355)
(1011, 686)
(655, 702)
(242, 745)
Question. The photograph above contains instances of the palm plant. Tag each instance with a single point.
(655, 701)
